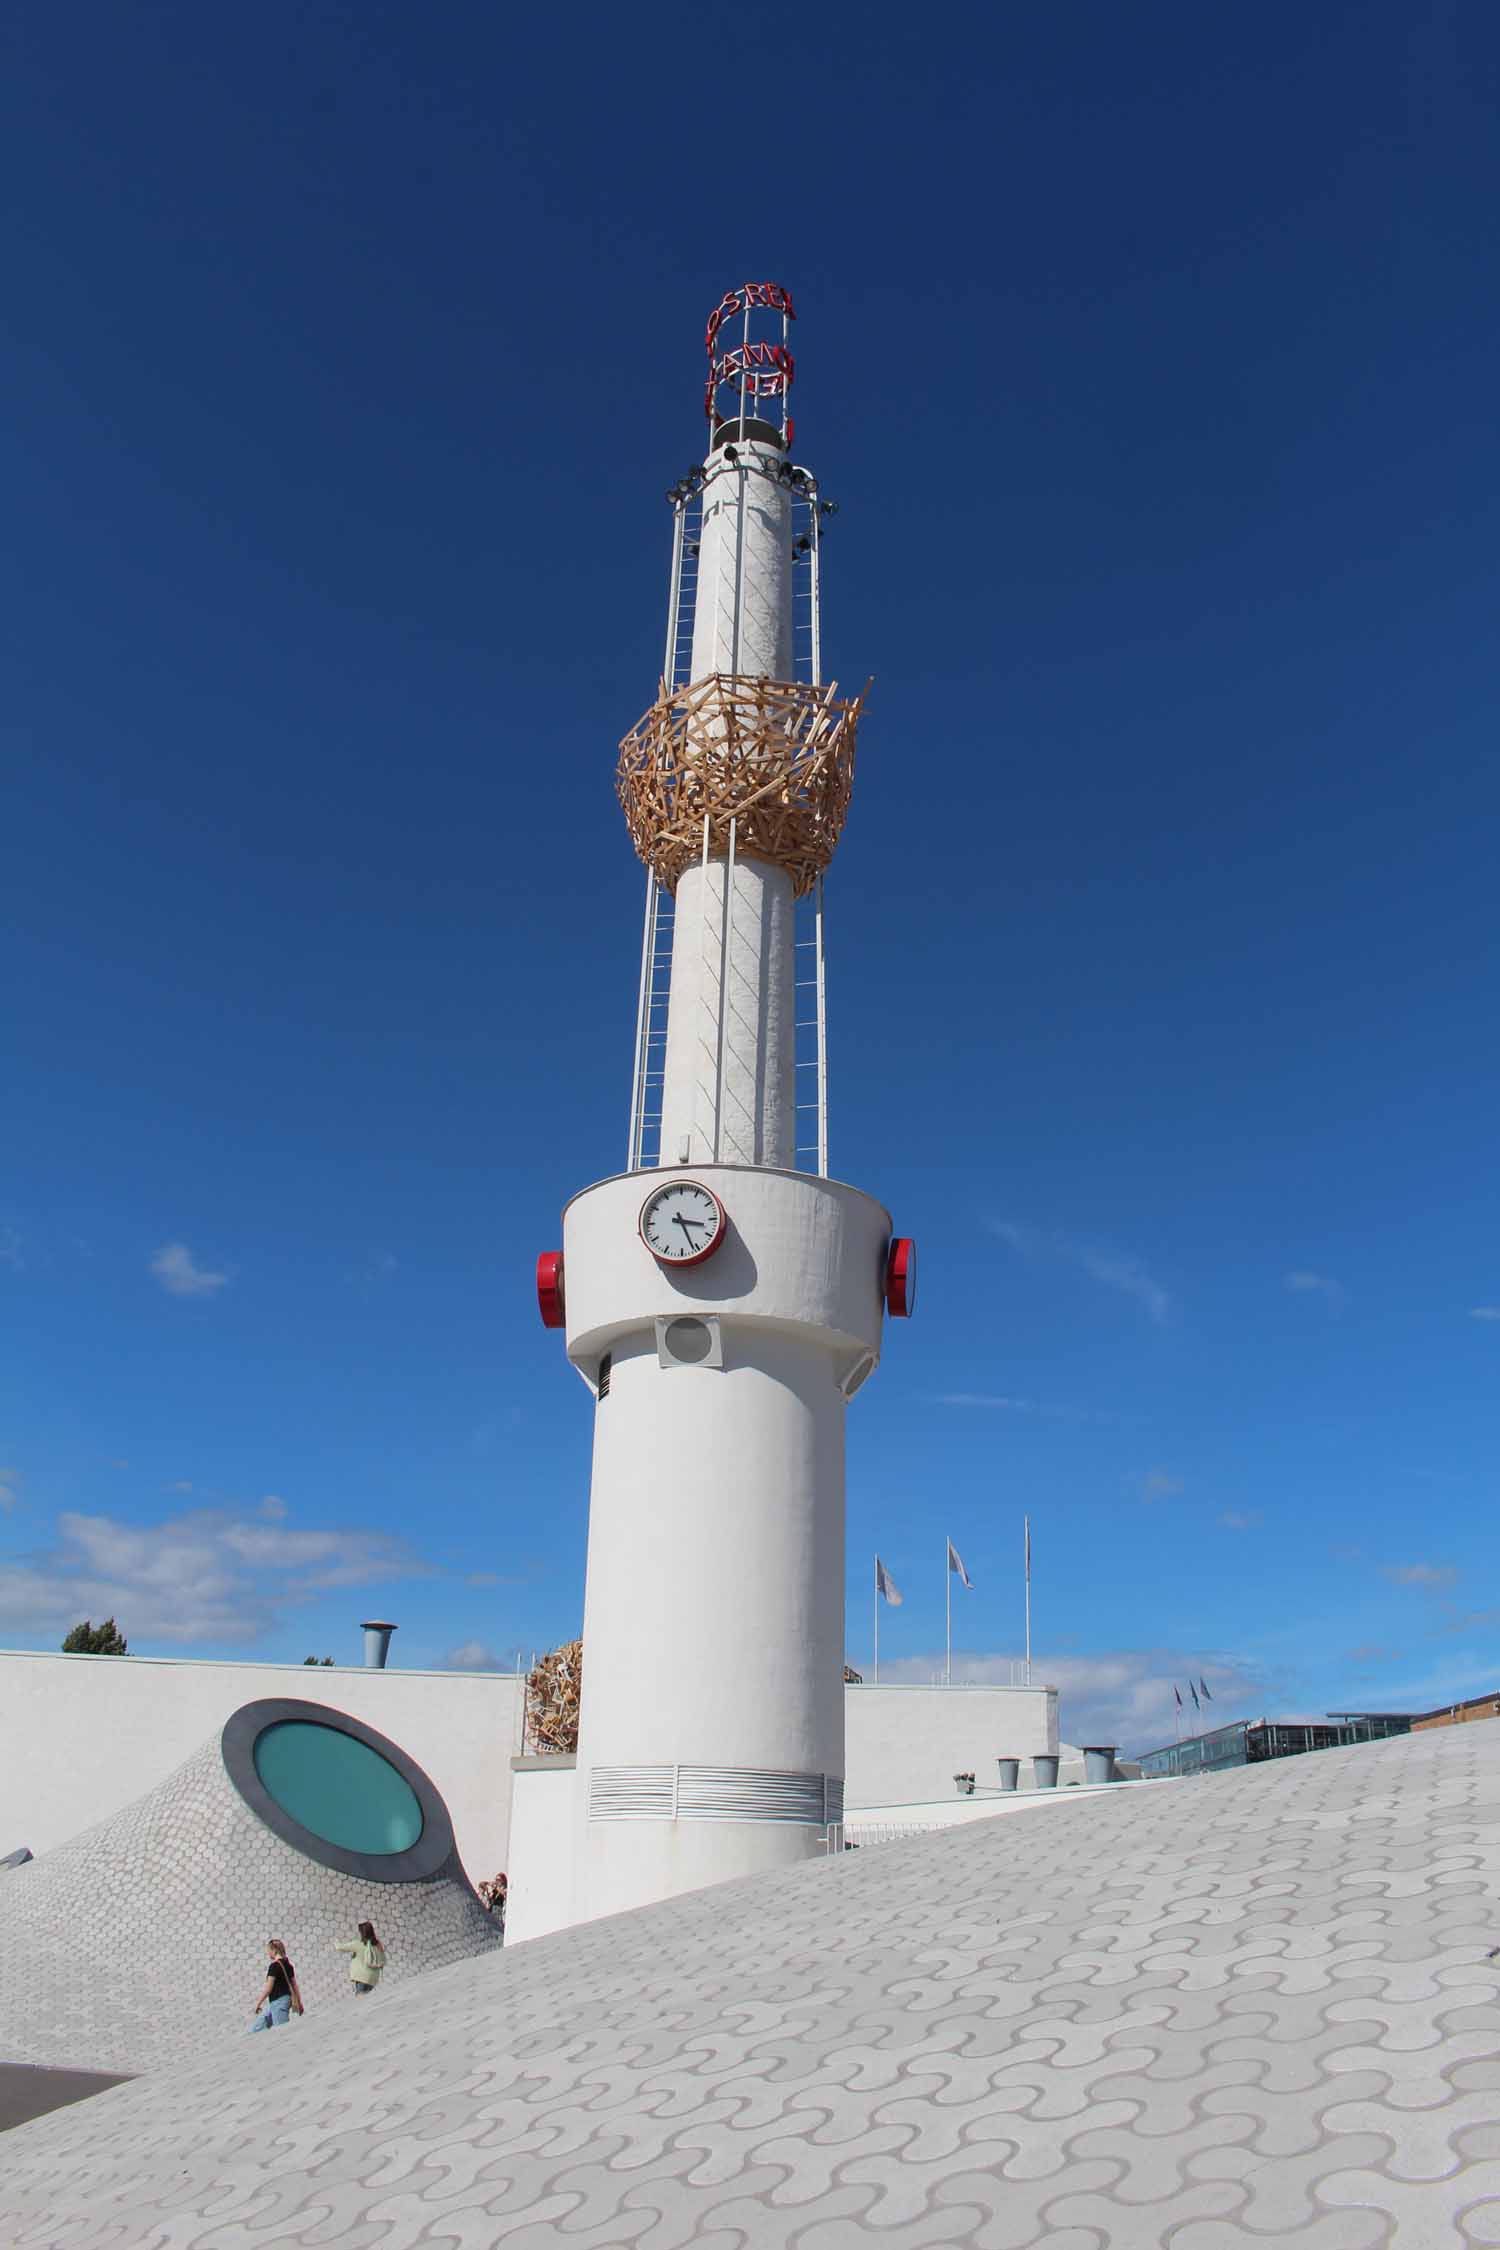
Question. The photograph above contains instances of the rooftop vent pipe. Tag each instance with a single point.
(377, 1632)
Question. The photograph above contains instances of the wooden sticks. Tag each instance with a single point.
(774, 756)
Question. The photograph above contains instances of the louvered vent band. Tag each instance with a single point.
(744, 1793)
(714, 1793)
(630, 1793)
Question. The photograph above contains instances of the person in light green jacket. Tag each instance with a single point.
(366, 1958)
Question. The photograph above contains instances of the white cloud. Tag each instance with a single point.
(10, 1248)
(985, 1398)
(179, 1274)
(1131, 1276)
(1472, 1621)
(1420, 1574)
(208, 1575)
(1306, 1284)
(1485, 1312)
(1373, 1652)
(1241, 1519)
(273, 1507)
(1113, 1269)
(1158, 1484)
(1122, 1696)
(9, 1480)
(473, 1656)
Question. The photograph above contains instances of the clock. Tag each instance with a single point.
(682, 1222)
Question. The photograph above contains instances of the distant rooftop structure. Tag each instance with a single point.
(1460, 1714)
(1248, 1742)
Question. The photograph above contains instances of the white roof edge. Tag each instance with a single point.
(952, 1687)
(265, 1664)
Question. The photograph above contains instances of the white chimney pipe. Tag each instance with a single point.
(377, 1632)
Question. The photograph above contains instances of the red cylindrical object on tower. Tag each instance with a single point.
(901, 1278)
(549, 1289)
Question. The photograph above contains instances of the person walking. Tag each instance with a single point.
(279, 1994)
(492, 1897)
(366, 1958)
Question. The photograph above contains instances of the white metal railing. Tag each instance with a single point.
(889, 1831)
(643, 1149)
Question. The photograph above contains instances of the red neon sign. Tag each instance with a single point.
(768, 295)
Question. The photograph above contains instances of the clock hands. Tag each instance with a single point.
(662, 1221)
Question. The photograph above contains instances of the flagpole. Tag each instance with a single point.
(1028, 1601)
(877, 1621)
(948, 1604)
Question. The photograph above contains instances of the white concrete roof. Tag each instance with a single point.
(1246, 2010)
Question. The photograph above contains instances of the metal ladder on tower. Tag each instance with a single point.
(644, 1150)
(811, 993)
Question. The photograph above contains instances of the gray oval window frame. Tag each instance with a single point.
(417, 1864)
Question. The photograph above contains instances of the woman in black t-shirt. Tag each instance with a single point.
(279, 1995)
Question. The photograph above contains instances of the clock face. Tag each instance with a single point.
(681, 1222)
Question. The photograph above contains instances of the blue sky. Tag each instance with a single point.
(1153, 361)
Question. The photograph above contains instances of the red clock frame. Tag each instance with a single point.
(679, 1265)
(551, 1303)
(901, 1278)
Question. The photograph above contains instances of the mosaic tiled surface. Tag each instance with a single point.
(1244, 2011)
(131, 1945)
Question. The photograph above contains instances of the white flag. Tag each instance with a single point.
(956, 1562)
(885, 1584)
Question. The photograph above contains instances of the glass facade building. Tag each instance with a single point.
(1245, 1742)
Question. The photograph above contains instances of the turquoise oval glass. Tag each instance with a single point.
(339, 1788)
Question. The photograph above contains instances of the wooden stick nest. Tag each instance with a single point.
(553, 1690)
(774, 756)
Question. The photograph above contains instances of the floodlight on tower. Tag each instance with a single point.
(723, 1297)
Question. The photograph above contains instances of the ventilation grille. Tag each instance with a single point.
(630, 1793)
(748, 1793)
(714, 1793)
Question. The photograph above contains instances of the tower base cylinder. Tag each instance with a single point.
(712, 1736)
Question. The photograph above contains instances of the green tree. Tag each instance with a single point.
(316, 1660)
(89, 1639)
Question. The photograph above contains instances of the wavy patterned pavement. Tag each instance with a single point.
(1250, 2010)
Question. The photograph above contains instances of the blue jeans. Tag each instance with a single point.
(277, 2012)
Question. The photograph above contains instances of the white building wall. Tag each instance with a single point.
(83, 1736)
(903, 1745)
(542, 1845)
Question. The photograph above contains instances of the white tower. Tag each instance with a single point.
(723, 1304)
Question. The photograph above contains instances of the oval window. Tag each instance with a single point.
(338, 1788)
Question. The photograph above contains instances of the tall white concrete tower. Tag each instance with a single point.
(723, 1297)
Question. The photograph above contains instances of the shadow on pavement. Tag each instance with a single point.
(26, 2091)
